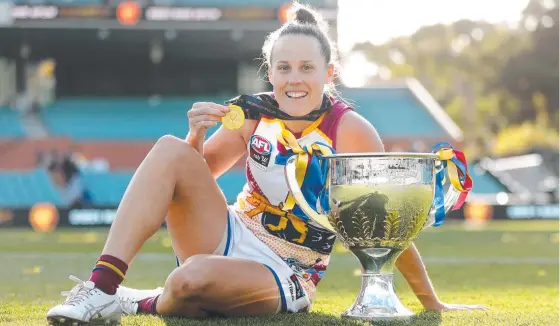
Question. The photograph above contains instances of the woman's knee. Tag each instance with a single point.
(191, 280)
(176, 152)
(173, 147)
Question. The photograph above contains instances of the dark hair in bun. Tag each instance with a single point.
(305, 16)
(304, 21)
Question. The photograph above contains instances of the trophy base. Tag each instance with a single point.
(377, 300)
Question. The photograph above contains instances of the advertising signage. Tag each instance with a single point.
(132, 13)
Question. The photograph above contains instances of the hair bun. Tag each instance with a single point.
(305, 16)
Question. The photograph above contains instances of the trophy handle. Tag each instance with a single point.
(294, 187)
(450, 198)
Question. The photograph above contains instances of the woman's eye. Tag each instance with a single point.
(307, 67)
(284, 68)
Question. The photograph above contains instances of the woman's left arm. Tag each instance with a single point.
(356, 135)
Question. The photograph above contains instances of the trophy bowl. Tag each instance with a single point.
(378, 203)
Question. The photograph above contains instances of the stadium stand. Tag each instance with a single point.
(484, 182)
(107, 189)
(24, 189)
(142, 119)
(387, 109)
(127, 119)
(10, 125)
(122, 130)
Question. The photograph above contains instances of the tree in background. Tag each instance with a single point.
(500, 84)
(532, 74)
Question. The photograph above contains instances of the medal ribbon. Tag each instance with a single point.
(455, 163)
(255, 106)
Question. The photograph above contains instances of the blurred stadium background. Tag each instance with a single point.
(87, 86)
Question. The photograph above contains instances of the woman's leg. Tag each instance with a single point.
(173, 181)
(207, 284)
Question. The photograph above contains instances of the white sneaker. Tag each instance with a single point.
(129, 298)
(85, 303)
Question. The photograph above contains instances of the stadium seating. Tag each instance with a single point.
(20, 189)
(394, 112)
(119, 118)
(24, 189)
(93, 121)
(484, 182)
(10, 125)
(108, 188)
(232, 183)
(141, 119)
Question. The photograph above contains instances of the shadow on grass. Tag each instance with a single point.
(425, 318)
(314, 318)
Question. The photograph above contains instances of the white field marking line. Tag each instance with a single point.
(171, 258)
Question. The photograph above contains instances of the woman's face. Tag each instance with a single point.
(298, 73)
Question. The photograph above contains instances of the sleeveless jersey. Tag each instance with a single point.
(302, 244)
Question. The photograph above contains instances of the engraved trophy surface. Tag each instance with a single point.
(378, 203)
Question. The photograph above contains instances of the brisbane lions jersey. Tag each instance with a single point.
(304, 245)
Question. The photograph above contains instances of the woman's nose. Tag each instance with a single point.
(295, 78)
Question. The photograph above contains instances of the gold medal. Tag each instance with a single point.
(235, 118)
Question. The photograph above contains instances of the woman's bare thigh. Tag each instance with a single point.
(197, 215)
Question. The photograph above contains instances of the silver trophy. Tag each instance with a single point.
(379, 202)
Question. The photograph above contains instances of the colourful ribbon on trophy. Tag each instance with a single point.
(455, 163)
(310, 172)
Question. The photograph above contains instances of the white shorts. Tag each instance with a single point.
(242, 243)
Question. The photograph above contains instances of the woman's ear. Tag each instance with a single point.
(330, 73)
(269, 74)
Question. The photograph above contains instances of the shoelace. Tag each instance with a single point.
(129, 305)
(78, 293)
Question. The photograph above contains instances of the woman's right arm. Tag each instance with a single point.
(225, 147)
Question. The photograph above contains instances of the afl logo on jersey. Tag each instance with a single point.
(260, 152)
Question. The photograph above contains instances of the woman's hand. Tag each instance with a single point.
(204, 115)
(441, 306)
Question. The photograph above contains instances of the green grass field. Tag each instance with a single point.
(512, 267)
